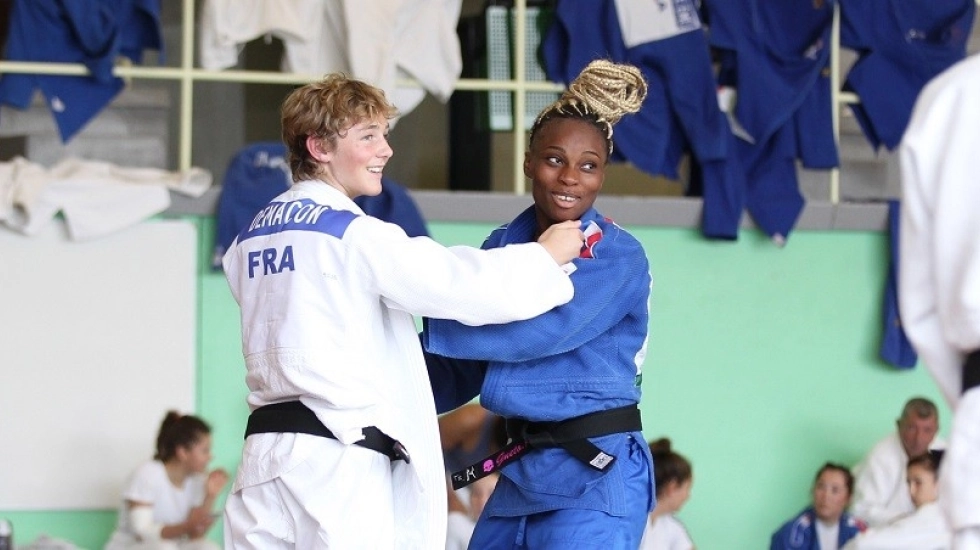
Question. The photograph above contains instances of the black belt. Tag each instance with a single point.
(570, 435)
(971, 371)
(295, 417)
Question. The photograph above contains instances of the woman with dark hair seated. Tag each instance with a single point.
(825, 524)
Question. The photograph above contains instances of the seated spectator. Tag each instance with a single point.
(925, 528)
(673, 479)
(880, 492)
(167, 502)
(824, 525)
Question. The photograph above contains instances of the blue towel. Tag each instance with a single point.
(895, 345)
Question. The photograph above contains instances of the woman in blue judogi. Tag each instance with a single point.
(578, 471)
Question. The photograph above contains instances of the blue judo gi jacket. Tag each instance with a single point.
(800, 533)
(93, 33)
(581, 357)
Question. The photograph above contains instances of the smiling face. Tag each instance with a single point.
(355, 163)
(566, 164)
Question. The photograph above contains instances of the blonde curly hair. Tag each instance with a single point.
(326, 109)
(602, 93)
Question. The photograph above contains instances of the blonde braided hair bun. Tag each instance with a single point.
(604, 91)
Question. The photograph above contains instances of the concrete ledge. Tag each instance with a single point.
(684, 212)
(644, 211)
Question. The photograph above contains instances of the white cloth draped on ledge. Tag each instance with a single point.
(96, 198)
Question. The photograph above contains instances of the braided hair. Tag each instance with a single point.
(601, 94)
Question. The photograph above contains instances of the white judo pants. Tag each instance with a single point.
(338, 499)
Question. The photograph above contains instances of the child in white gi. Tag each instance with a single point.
(925, 528)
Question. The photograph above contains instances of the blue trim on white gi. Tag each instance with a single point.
(259, 172)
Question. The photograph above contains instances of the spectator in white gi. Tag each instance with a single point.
(673, 478)
(167, 502)
(880, 491)
(939, 262)
(923, 529)
(342, 446)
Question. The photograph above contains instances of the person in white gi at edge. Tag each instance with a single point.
(939, 272)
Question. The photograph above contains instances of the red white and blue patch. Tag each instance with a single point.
(593, 234)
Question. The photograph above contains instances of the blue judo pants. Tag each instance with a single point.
(571, 528)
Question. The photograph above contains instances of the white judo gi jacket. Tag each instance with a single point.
(923, 529)
(327, 298)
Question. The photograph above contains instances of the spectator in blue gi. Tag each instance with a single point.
(825, 524)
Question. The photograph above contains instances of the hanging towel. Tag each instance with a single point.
(93, 33)
(901, 46)
(895, 345)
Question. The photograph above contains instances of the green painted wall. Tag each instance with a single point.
(762, 365)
